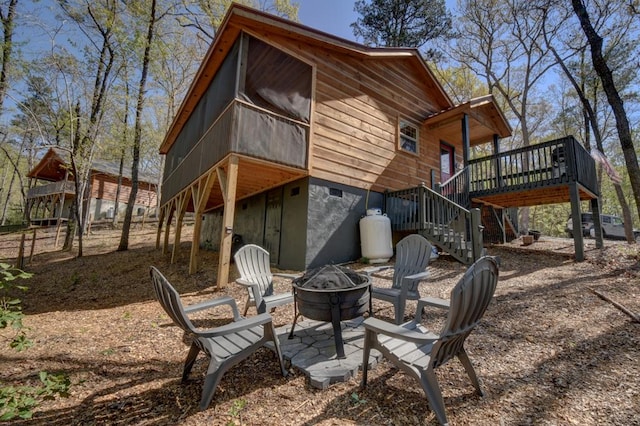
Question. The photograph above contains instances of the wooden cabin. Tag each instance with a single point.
(288, 135)
(49, 200)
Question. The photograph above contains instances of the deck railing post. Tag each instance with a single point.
(422, 206)
(476, 233)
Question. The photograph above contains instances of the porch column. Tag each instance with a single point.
(169, 215)
(181, 207)
(228, 185)
(597, 226)
(160, 220)
(466, 143)
(496, 151)
(200, 195)
(576, 216)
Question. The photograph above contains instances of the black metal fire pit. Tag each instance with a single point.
(331, 293)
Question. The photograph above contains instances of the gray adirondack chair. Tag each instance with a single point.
(417, 352)
(413, 253)
(226, 345)
(253, 266)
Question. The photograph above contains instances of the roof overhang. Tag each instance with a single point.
(485, 120)
(51, 167)
(241, 18)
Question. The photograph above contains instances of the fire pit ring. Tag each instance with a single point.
(331, 294)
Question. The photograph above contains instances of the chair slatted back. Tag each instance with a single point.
(170, 301)
(252, 262)
(413, 254)
(468, 303)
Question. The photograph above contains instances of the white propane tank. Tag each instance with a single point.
(375, 236)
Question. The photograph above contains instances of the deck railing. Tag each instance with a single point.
(559, 161)
(445, 223)
(60, 187)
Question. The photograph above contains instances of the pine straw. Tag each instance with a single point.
(548, 351)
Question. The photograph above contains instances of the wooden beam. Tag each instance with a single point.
(170, 209)
(181, 206)
(228, 184)
(576, 217)
(200, 193)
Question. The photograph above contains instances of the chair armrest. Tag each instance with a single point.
(234, 327)
(433, 301)
(224, 300)
(403, 332)
(376, 269)
(246, 283)
(288, 276)
(420, 276)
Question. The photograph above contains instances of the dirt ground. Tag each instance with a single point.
(549, 351)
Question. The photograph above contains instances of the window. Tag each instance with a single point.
(408, 137)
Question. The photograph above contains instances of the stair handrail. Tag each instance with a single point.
(445, 223)
(456, 188)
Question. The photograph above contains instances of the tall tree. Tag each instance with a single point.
(7, 16)
(401, 23)
(576, 73)
(97, 20)
(613, 96)
(137, 135)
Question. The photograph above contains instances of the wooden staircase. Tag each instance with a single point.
(453, 228)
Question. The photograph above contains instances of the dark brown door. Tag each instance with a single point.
(272, 224)
(446, 162)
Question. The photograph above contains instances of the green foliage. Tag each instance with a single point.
(401, 23)
(19, 401)
(10, 309)
(356, 400)
(236, 409)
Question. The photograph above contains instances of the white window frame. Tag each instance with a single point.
(402, 137)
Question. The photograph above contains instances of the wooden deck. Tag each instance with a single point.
(536, 175)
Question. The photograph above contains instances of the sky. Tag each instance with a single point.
(330, 16)
(334, 16)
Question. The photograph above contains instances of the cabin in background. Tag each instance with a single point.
(49, 200)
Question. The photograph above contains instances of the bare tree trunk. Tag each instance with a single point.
(125, 122)
(613, 97)
(116, 204)
(591, 119)
(126, 226)
(7, 48)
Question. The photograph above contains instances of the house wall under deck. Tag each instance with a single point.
(319, 223)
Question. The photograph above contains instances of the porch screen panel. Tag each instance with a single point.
(218, 96)
(199, 145)
(222, 89)
(277, 81)
(271, 137)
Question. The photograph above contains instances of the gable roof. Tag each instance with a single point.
(240, 17)
(52, 167)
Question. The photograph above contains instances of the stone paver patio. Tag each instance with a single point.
(313, 350)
